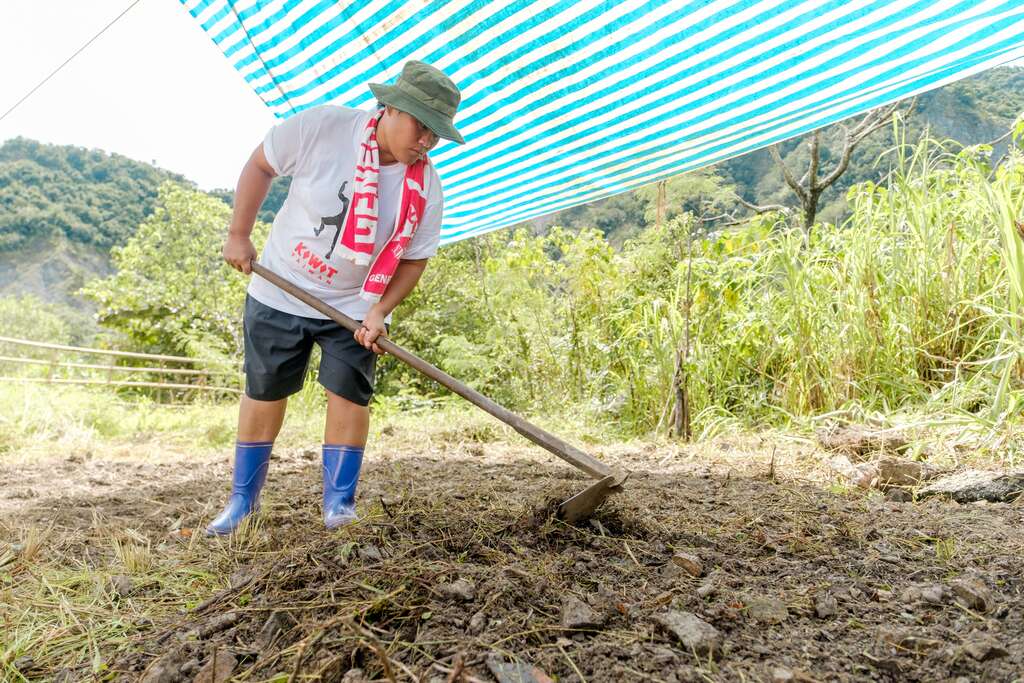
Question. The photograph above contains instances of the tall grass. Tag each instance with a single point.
(912, 303)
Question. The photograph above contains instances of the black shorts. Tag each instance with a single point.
(277, 348)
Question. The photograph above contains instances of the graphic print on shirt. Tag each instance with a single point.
(303, 254)
(335, 220)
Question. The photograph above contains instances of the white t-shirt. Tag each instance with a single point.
(317, 148)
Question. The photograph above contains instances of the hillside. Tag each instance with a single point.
(973, 111)
(87, 196)
(62, 208)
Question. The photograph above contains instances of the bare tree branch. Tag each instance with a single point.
(872, 121)
(762, 209)
(790, 180)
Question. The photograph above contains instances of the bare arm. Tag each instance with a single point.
(253, 185)
(407, 274)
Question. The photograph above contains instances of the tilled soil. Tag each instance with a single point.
(458, 571)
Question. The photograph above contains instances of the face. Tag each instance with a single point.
(407, 138)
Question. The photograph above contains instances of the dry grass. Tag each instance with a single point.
(103, 580)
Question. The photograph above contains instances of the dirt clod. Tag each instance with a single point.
(973, 594)
(826, 605)
(217, 624)
(689, 562)
(460, 589)
(516, 672)
(885, 473)
(767, 610)
(982, 647)
(218, 669)
(477, 623)
(356, 675)
(577, 614)
(165, 669)
(122, 586)
(932, 594)
(370, 553)
(695, 634)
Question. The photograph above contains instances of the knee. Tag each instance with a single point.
(343, 405)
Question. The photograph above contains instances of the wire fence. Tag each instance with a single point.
(167, 379)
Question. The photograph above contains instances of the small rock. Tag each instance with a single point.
(516, 672)
(122, 586)
(861, 474)
(241, 576)
(982, 647)
(767, 610)
(707, 588)
(826, 605)
(933, 594)
(189, 666)
(973, 594)
(218, 669)
(477, 623)
(782, 675)
(354, 676)
(973, 485)
(695, 634)
(577, 614)
(691, 564)
(165, 669)
(370, 553)
(460, 589)
(898, 472)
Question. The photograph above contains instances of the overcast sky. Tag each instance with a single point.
(153, 87)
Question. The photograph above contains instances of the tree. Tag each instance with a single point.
(697, 192)
(809, 187)
(172, 292)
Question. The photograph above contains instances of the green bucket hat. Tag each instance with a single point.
(426, 93)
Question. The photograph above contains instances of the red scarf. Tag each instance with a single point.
(358, 236)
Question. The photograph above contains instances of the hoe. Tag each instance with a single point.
(572, 510)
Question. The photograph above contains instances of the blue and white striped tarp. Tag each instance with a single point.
(568, 101)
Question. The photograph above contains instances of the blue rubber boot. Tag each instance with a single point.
(252, 459)
(341, 475)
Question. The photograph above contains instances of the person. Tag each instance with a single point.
(362, 216)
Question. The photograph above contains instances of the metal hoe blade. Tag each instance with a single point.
(584, 503)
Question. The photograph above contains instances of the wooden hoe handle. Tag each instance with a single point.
(552, 443)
